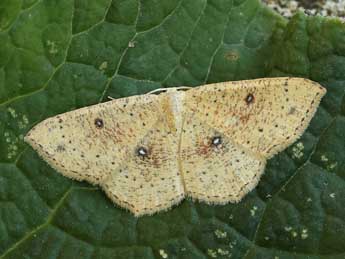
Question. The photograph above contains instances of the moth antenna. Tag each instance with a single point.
(184, 88)
(157, 90)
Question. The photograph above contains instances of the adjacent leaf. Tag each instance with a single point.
(57, 56)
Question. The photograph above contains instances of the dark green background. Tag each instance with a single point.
(59, 55)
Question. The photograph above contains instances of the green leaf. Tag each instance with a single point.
(56, 56)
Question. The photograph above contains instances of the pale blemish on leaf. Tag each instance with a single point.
(212, 253)
(131, 44)
(253, 211)
(12, 112)
(232, 244)
(232, 55)
(163, 254)
(103, 66)
(332, 195)
(287, 228)
(309, 199)
(324, 158)
(329, 165)
(52, 47)
(23, 123)
(223, 252)
(294, 234)
(12, 148)
(304, 234)
(297, 150)
(220, 234)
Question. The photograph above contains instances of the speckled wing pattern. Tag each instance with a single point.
(99, 143)
(216, 173)
(254, 118)
(209, 143)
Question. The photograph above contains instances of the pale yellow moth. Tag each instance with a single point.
(210, 143)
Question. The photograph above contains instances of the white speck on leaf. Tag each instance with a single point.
(297, 150)
(332, 166)
(219, 251)
(329, 165)
(304, 234)
(332, 195)
(222, 252)
(287, 228)
(220, 234)
(324, 158)
(12, 150)
(52, 47)
(212, 253)
(22, 124)
(131, 44)
(25, 119)
(103, 66)
(253, 211)
(12, 112)
(163, 253)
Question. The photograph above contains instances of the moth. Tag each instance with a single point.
(211, 143)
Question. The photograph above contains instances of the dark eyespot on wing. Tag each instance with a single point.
(216, 141)
(249, 98)
(142, 152)
(99, 123)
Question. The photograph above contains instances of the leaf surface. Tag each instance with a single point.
(56, 56)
